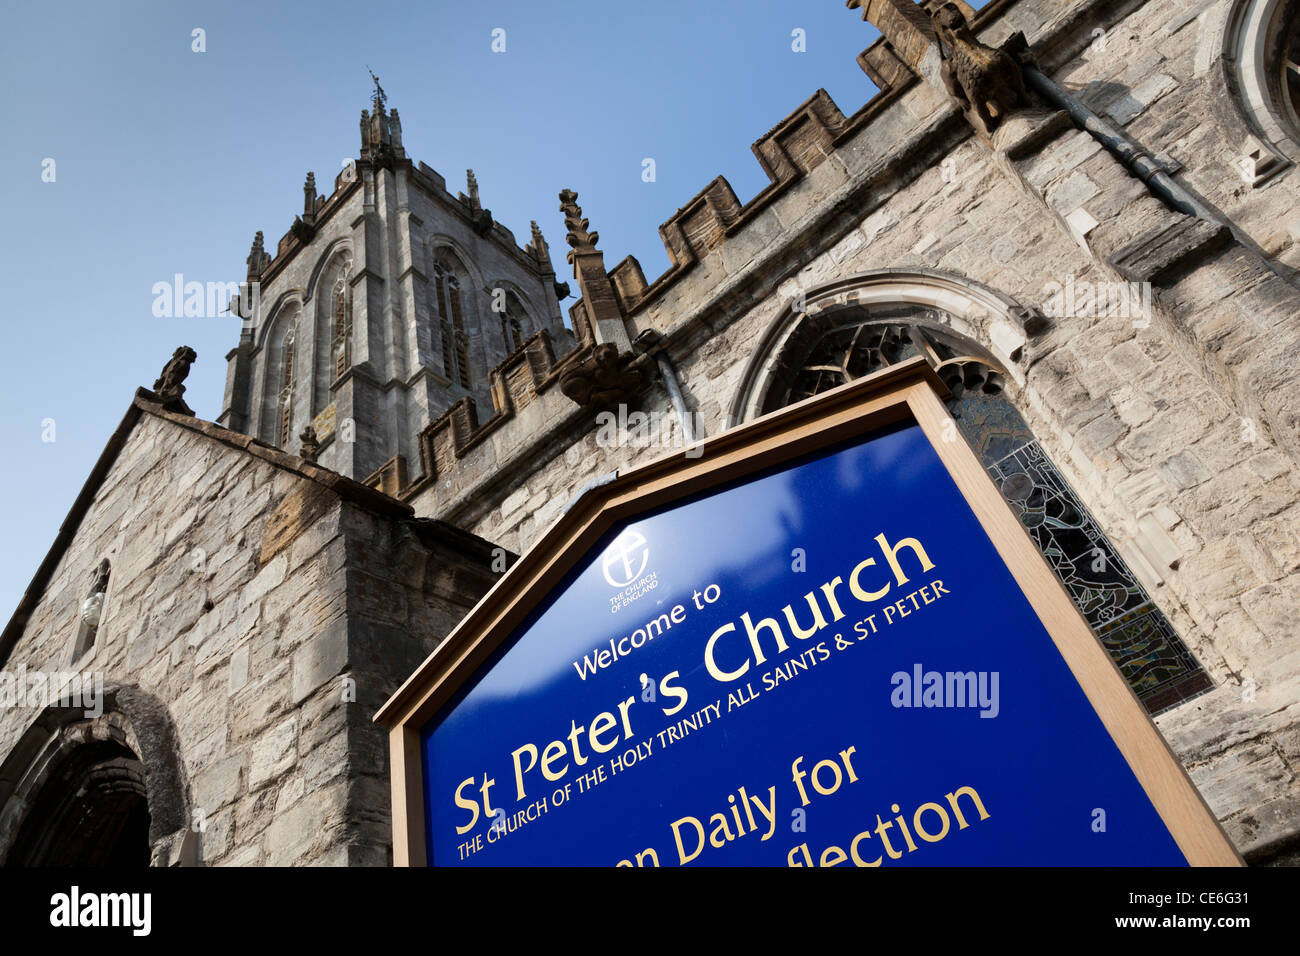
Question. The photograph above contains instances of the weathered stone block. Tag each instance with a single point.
(274, 753)
(320, 659)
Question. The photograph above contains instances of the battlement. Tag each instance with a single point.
(516, 384)
(787, 153)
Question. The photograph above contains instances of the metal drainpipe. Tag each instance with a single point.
(1127, 150)
(648, 343)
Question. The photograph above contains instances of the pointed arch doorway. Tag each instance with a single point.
(93, 811)
(104, 791)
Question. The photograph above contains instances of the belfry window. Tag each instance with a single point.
(513, 332)
(833, 348)
(341, 325)
(286, 391)
(512, 328)
(451, 320)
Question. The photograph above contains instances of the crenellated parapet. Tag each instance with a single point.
(459, 451)
(885, 68)
(515, 385)
(712, 237)
(789, 152)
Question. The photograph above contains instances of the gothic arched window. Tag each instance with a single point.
(341, 322)
(1261, 57)
(286, 391)
(835, 347)
(325, 353)
(1287, 66)
(512, 327)
(451, 321)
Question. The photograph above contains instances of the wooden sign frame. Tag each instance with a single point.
(908, 391)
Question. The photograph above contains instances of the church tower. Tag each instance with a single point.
(386, 302)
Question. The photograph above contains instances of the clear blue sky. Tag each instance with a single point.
(168, 161)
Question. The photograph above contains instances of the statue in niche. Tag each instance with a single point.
(92, 608)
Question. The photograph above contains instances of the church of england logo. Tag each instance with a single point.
(625, 559)
(624, 567)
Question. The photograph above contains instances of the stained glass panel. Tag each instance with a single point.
(1138, 637)
(1144, 645)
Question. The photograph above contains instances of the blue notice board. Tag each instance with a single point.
(824, 663)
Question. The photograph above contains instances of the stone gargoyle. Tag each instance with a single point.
(985, 80)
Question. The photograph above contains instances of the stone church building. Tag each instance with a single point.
(1083, 213)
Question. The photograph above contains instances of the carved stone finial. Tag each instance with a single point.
(310, 444)
(257, 258)
(987, 82)
(471, 183)
(480, 218)
(580, 237)
(603, 313)
(304, 226)
(538, 246)
(169, 388)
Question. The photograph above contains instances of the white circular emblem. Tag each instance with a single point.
(625, 559)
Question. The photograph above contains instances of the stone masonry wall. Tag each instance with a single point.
(271, 617)
(1160, 73)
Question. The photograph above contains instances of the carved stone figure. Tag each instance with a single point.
(603, 379)
(985, 80)
(169, 387)
(310, 444)
(92, 608)
(99, 583)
